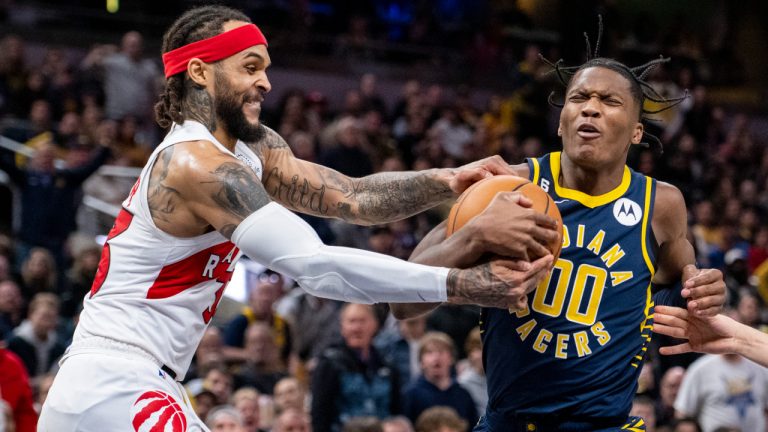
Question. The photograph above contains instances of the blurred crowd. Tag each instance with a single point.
(287, 361)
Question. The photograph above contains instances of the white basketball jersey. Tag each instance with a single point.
(153, 290)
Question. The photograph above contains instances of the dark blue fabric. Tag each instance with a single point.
(422, 395)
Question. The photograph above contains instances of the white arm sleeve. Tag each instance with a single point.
(282, 241)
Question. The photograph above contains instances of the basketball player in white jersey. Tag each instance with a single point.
(206, 196)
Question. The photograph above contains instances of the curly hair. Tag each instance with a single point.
(640, 89)
(194, 25)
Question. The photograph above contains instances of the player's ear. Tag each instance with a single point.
(637, 133)
(560, 129)
(199, 72)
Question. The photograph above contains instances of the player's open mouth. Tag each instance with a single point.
(588, 131)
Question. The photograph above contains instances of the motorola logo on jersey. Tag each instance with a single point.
(157, 411)
(627, 212)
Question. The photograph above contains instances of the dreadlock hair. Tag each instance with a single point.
(194, 25)
(640, 89)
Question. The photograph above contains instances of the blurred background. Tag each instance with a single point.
(363, 87)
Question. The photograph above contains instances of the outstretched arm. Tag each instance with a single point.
(507, 227)
(717, 334)
(704, 288)
(218, 190)
(378, 198)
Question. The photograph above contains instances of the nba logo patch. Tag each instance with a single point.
(627, 212)
(157, 411)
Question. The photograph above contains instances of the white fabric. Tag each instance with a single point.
(719, 393)
(88, 396)
(337, 273)
(128, 307)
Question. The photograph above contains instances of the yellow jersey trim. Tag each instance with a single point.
(590, 201)
(535, 176)
(646, 221)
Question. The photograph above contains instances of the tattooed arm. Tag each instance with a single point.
(379, 198)
(215, 189)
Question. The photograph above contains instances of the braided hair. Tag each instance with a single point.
(640, 90)
(194, 25)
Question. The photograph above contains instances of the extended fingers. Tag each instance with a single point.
(675, 332)
(669, 321)
(671, 311)
(712, 289)
(496, 165)
(703, 277)
(676, 349)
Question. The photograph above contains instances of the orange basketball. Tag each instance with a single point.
(478, 196)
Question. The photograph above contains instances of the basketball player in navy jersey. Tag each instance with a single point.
(568, 359)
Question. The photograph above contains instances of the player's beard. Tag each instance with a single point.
(229, 110)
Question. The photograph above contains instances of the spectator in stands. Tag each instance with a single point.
(16, 391)
(349, 152)
(668, 390)
(318, 320)
(362, 424)
(49, 198)
(643, 407)
(289, 395)
(350, 379)
(225, 418)
(217, 379)
(130, 81)
(263, 367)
(13, 74)
(472, 375)
(246, 401)
(436, 386)
(11, 307)
(38, 273)
(686, 425)
(37, 123)
(292, 420)
(442, 419)
(208, 352)
(264, 289)
(79, 280)
(453, 135)
(397, 424)
(203, 401)
(35, 340)
(399, 346)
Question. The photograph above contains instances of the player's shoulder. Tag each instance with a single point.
(196, 155)
(668, 190)
(270, 140)
(189, 164)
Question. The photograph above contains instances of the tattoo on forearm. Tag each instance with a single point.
(393, 195)
(198, 105)
(377, 198)
(297, 192)
(162, 199)
(240, 192)
(476, 285)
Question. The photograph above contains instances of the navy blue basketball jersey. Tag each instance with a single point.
(576, 350)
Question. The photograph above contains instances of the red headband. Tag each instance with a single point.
(212, 49)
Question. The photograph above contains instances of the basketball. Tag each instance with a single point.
(478, 196)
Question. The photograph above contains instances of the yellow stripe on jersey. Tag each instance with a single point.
(535, 176)
(646, 221)
(590, 201)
